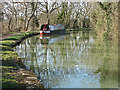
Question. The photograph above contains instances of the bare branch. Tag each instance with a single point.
(54, 9)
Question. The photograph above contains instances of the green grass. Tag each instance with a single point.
(6, 55)
(14, 38)
(8, 83)
(9, 77)
(11, 61)
(5, 48)
(8, 42)
(22, 34)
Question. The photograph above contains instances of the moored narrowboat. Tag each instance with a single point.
(52, 29)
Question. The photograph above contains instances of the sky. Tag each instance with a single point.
(59, 0)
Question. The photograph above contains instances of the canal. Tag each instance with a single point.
(75, 60)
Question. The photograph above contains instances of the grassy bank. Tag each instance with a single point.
(14, 73)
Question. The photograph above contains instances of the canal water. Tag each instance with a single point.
(75, 60)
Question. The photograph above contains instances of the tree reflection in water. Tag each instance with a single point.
(73, 60)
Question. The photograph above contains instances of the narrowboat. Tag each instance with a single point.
(52, 29)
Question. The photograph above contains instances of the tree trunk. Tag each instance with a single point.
(25, 18)
(83, 24)
(48, 20)
(31, 18)
(9, 29)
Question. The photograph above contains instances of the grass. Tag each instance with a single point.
(11, 77)
(18, 36)
(14, 38)
(9, 54)
(5, 48)
(8, 42)
(12, 84)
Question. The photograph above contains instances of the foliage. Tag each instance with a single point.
(104, 18)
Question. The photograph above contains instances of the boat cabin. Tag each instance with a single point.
(44, 27)
(49, 29)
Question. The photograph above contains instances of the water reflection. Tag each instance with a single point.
(72, 61)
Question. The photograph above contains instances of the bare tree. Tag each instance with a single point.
(48, 8)
(64, 14)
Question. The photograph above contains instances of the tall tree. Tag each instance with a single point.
(34, 7)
